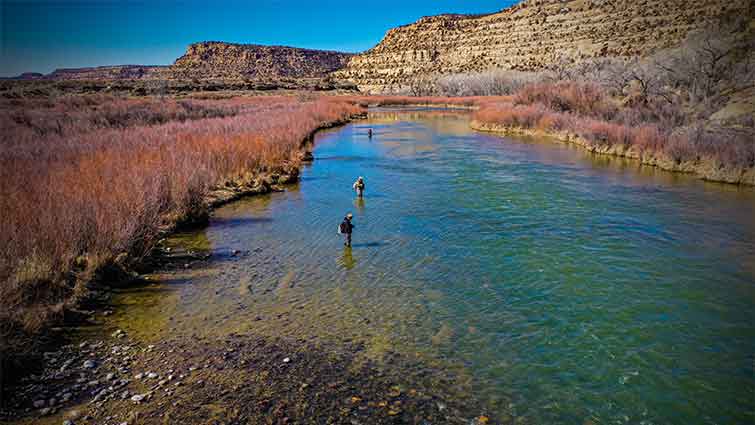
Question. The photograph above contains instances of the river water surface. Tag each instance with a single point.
(560, 287)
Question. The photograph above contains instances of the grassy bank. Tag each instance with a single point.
(89, 183)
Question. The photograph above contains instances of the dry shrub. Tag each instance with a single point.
(512, 116)
(567, 96)
(76, 194)
(728, 147)
(67, 115)
(604, 133)
(648, 138)
(733, 148)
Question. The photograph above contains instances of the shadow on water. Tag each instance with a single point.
(368, 244)
(340, 158)
(234, 222)
(313, 178)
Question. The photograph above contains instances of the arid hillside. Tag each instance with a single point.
(531, 36)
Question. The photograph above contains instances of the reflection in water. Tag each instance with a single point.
(558, 286)
(359, 205)
(347, 259)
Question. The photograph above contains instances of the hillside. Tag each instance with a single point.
(530, 36)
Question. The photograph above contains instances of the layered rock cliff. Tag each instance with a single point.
(530, 36)
(250, 61)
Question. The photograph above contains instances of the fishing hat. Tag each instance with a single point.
(349, 215)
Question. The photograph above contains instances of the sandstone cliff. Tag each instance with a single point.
(250, 61)
(530, 36)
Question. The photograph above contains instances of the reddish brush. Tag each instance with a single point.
(568, 96)
(651, 129)
(80, 184)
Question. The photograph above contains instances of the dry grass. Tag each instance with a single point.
(83, 180)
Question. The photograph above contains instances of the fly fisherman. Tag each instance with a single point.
(359, 186)
(345, 228)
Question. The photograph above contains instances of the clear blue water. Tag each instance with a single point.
(559, 286)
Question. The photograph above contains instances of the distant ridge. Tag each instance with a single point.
(214, 59)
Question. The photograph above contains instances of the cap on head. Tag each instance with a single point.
(349, 215)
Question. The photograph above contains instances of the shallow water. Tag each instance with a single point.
(560, 287)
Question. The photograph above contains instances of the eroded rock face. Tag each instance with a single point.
(227, 60)
(530, 36)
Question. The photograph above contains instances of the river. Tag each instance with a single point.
(559, 286)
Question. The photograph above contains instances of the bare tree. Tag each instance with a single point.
(490, 83)
(710, 63)
(423, 85)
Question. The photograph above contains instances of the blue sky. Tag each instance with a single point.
(40, 36)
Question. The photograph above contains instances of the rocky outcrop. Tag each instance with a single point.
(530, 36)
(250, 61)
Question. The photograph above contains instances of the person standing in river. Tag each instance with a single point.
(345, 228)
(369, 133)
(359, 186)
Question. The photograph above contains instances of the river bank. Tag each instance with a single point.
(705, 169)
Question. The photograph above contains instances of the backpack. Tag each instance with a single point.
(343, 227)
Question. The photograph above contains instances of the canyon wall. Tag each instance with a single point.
(530, 36)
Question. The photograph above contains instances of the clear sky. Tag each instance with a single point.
(39, 36)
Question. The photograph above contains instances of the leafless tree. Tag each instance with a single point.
(422, 85)
(711, 63)
(490, 83)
